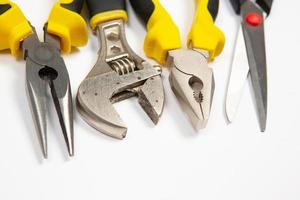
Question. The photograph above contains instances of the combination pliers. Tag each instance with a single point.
(44, 65)
(191, 78)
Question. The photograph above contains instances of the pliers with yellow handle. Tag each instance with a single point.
(44, 65)
(191, 78)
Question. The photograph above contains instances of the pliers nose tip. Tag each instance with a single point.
(70, 150)
(64, 110)
(44, 148)
(200, 124)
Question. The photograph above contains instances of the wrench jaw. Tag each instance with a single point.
(94, 105)
(97, 94)
(115, 130)
(192, 82)
(151, 98)
(118, 75)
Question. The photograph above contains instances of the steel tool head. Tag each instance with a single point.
(97, 94)
(118, 74)
(45, 67)
(253, 29)
(250, 56)
(238, 77)
(192, 82)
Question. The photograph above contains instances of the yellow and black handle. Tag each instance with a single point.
(14, 27)
(204, 33)
(163, 35)
(66, 22)
(106, 10)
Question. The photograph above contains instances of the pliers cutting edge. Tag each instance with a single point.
(191, 78)
(44, 64)
(249, 58)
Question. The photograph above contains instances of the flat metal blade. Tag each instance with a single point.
(238, 77)
(64, 109)
(36, 89)
(253, 29)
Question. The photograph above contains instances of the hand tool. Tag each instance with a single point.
(250, 56)
(118, 74)
(191, 79)
(44, 65)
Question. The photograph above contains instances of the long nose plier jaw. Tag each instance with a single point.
(46, 68)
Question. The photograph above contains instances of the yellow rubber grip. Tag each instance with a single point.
(69, 26)
(107, 16)
(205, 35)
(163, 34)
(14, 27)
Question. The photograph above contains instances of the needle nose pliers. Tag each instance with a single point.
(191, 78)
(44, 65)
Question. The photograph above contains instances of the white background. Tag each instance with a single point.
(169, 161)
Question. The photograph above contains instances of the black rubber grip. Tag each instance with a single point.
(99, 6)
(264, 4)
(213, 8)
(75, 6)
(143, 8)
(236, 5)
(4, 8)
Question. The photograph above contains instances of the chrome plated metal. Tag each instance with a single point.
(118, 74)
(255, 45)
(192, 82)
(46, 68)
(253, 34)
(238, 77)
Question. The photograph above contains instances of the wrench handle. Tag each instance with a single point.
(106, 10)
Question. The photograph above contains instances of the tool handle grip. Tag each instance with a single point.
(14, 27)
(66, 22)
(266, 5)
(236, 5)
(163, 34)
(204, 34)
(213, 8)
(106, 10)
(73, 5)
